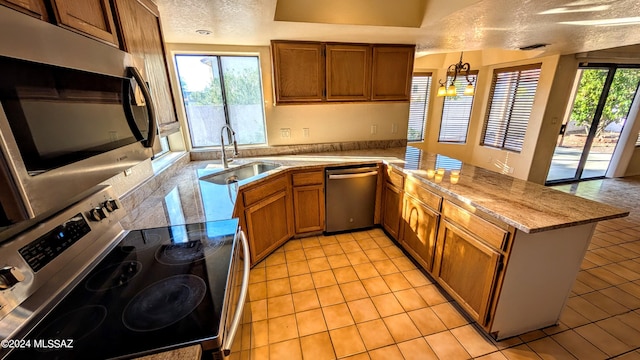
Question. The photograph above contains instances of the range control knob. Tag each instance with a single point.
(9, 276)
(111, 205)
(97, 214)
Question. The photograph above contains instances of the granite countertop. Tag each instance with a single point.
(186, 198)
(528, 207)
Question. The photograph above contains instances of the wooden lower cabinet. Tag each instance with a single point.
(268, 224)
(308, 208)
(391, 210)
(420, 225)
(467, 269)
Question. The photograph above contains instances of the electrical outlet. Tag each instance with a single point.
(374, 129)
(305, 132)
(127, 172)
(285, 133)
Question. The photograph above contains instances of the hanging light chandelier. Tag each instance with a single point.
(456, 69)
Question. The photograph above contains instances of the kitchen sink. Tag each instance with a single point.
(240, 173)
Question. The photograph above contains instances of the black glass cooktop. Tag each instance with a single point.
(158, 289)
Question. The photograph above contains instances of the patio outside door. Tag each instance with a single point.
(602, 97)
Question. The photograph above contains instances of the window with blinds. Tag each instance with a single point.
(456, 112)
(510, 102)
(419, 105)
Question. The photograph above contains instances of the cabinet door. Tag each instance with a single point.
(142, 37)
(308, 208)
(391, 73)
(348, 72)
(34, 8)
(392, 210)
(467, 268)
(268, 225)
(299, 71)
(92, 17)
(420, 228)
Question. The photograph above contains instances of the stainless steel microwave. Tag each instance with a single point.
(73, 113)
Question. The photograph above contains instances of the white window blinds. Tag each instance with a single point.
(419, 105)
(456, 112)
(510, 102)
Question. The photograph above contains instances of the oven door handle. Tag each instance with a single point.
(237, 317)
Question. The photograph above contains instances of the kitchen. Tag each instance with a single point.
(333, 116)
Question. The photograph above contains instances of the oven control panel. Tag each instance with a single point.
(41, 251)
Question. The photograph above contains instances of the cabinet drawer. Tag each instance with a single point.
(395, 178)
(485, 230)
(262, 191)
(415, 189)
(308, 178)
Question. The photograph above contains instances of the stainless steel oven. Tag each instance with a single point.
(73, 113)
(74, 287)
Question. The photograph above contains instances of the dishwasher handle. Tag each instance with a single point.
(353, 175)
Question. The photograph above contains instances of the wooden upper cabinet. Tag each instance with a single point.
(348, 72)
(299, 71)
(91, 17)
(391, 72)
(141, 36)
(34, 8)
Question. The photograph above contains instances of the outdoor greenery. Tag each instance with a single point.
(242, 87)
(618, 102)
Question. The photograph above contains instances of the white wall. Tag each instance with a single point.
(326, 122)
(515, 164)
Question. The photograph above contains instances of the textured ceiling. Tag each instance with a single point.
(447, 26)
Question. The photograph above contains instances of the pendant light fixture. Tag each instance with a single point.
(456, 69)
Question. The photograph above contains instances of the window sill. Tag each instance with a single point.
(164, 161)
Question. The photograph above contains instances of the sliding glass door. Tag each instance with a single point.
(602, 97)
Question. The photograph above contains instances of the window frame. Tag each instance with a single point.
(424, 105)
(514, 100)
(218, 59)
(460, 83)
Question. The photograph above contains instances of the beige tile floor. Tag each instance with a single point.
(358, 296)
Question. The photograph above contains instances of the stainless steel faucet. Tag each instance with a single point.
(225, 162)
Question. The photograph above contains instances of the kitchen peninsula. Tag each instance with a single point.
(506, 250)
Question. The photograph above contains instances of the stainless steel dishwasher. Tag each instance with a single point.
(350, 197)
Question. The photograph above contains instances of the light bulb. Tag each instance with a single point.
(442, 91)
(469, 90)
